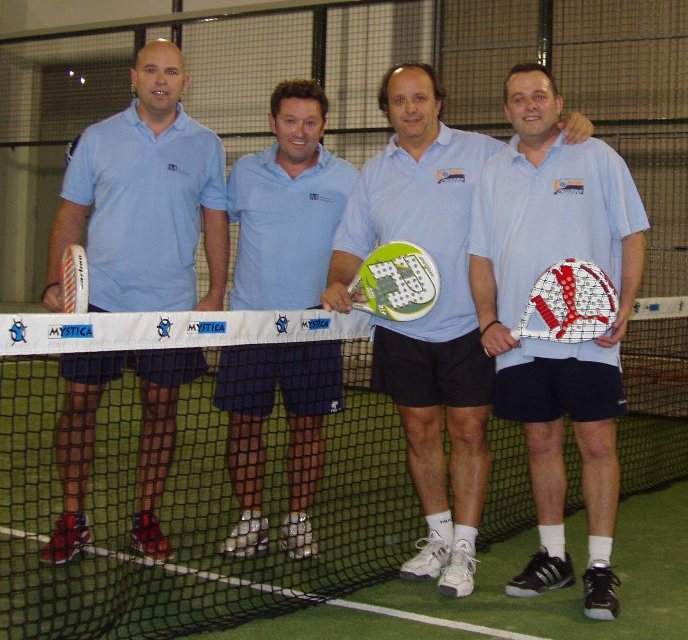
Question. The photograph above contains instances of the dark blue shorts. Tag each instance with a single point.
(545, 389)
(164, 367)
(416, 373)
(309, 375)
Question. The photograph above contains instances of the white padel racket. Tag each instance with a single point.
(572, 301)
(74, 280)
(399, 281)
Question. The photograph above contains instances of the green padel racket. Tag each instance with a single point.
(399, 281)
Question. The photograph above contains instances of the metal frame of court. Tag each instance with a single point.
(652, 136)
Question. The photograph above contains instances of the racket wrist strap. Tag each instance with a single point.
(49, 286)
(491, 324)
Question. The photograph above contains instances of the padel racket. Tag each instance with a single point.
(399, 281)
(572, 301)
(74, 280)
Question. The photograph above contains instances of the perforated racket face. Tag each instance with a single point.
(400, 281)
(572, 301)
(74, 280)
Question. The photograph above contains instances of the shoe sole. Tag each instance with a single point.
(600, 614)
(162, 559)
(246, 553)
(452, 592)
(58, 563)
(301, 553)
(79, 548)
(416, 577)
(520, 592)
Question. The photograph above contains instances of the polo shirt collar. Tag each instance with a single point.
(323, 155)
(180, 123)
(515, 140)
(443, 138)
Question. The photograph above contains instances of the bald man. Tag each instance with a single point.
(141, 185)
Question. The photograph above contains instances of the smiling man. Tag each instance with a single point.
(289, 199)
(142, 184)
(419, 188)
(522, 222)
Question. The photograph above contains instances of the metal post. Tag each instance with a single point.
(177, 7)
(319, 48)
(545, 28)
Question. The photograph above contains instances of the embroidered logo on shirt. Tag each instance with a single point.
(173, 167)
(568, 187)
(450, 175)
(320, 198)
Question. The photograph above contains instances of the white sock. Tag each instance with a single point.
(553, 538)
(600, 550)
(468, 534)
(442, 525)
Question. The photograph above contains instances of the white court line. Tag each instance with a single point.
(212, 576)
(436, 622)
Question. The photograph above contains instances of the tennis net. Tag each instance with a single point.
(365, 518)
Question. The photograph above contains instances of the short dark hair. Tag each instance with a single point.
(303, 89)
(438, 89)
(527, 67)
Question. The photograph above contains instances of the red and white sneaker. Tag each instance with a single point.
(68, 539)
(148, 539)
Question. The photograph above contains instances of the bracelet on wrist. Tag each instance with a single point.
(484, 331)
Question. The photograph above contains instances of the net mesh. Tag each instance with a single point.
(619, 62)
(365, 517)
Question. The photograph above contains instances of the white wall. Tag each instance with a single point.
(29, 15)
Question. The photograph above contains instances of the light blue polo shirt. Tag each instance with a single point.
(285, 237)
(579, 203)
(428, 203)
(145, 226)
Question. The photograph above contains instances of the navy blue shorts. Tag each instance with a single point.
(416, 373)
(545, 389)
(309, 375)
(164, 367)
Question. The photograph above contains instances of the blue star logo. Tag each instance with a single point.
(282, 324)
(18, 332)
(164, 328)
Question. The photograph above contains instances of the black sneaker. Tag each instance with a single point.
(601, 602)
(542, 573)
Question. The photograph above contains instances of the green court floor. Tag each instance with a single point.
(649, 557)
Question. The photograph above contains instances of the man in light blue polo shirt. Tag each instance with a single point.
(419, 188)
(522, 222)
(154, 178)
(289, 200)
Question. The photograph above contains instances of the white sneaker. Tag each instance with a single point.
(249, 538)
(456, 580)
(297, 537)
(433, 557)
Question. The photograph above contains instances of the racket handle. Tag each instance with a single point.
(515, 334)
(317, 306)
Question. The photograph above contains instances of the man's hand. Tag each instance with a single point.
(52, 300)
(337, 298)
(343, 268)
(210, 302)
(577, 127)
(497, 340)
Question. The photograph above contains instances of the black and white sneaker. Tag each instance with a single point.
(601, 602)
(543, 573)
